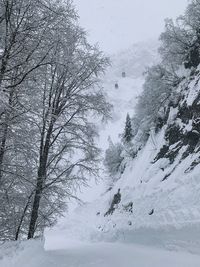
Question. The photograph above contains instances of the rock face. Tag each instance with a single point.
(183, 131)
(116, 200)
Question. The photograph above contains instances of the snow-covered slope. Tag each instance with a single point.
(160, 187)
(22, 253)
(122, 98)
(133, 62)
(135, 59)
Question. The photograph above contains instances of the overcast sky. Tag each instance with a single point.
(116, 24)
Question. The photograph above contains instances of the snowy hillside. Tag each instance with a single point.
(160, 187)
(123, 98)
(133, 62)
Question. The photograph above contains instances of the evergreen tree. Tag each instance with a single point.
(127, 136)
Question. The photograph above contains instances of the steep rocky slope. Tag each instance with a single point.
(159, 188)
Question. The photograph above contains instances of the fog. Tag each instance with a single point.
(116, 24)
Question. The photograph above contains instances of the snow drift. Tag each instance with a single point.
(22, 253)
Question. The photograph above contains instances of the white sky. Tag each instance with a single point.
(116, 24)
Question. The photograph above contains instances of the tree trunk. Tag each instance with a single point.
(5, 134)
(2, 150)
(44, 152)
(36, 203)
(22, 217)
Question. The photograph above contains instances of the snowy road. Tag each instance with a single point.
(74, 254)
(116, 255)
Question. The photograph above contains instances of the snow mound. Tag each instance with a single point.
(21, 253)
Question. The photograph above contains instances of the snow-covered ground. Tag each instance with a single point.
(69, 254)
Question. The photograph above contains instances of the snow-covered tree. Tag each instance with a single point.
(127, 135)
(49, 83)
(176, 41)
(151, 108)
(113, 160)
(181, 39)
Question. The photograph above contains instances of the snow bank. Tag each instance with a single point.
(21, 253)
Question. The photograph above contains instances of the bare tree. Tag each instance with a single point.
(49, 95)
(69, 96)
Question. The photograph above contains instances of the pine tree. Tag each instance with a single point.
(127, 136)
